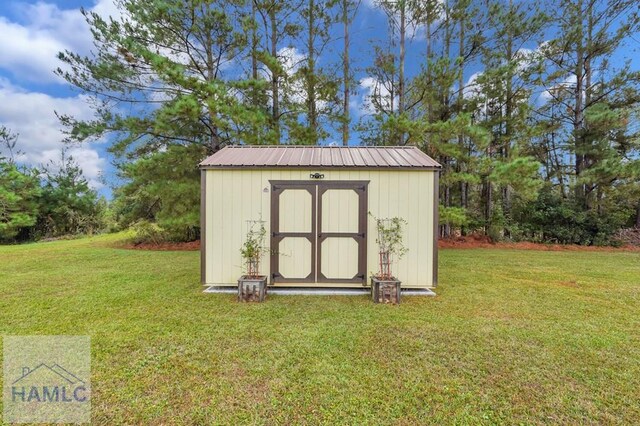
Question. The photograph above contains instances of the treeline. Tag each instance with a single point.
(531, 107)
(50, 201)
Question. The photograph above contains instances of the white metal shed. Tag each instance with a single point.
(315, 202)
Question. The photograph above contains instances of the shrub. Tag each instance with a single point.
(554, 219)
(149, 232)
(253, 248)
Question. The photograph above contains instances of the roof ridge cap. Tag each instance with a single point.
(325, 146)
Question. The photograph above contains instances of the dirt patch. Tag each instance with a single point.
(190, 246)
(466, 242)
(481, 241)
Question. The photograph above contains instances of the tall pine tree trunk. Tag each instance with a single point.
(447, 203)
(401, 82)
(312, 113)
(275, 84)
(254, 51)
(460, 107)
(429, 76)
(447, 113)
(508, 134)
(214, 138)
(488, 205)
(345, 74)
(392, 83)
(578, 119)
(588, 77)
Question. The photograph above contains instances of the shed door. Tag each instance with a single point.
(318, 232)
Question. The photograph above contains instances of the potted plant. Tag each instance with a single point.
(252, 287)
(385, 287)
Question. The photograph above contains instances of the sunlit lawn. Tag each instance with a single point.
(512, 337)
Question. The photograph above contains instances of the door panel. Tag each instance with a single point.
(339, 258)
(294, 255)
(339, 211)
(295, 210)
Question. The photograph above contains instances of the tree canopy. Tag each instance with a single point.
(536, 127)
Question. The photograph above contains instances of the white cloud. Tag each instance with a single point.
(106, 8)
(30, 48)
(354, 105)
(88, 159)
(471, 87)
(527, 57)
(291, 59)
(29, 54)
(568, 84)
(523, 53)
(31, 115)
(374, 89)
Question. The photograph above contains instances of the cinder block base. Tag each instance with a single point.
(385, 291)
(252, 289)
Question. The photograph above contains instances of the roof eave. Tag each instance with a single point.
(270, 167)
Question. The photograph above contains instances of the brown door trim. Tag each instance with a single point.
(277, 187)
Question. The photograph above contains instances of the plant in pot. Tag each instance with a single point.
(385, 287)
(252, 287)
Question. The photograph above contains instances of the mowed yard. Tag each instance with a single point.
(512, 337)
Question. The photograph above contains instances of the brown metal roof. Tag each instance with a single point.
(302, 156)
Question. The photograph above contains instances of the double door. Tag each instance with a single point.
(318, 232)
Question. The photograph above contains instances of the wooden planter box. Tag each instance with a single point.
(252, 289)
(385, 291)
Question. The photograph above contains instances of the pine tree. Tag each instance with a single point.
(8, 145)
(448, 131)
(319, 90)
(347, 10)
(502, 98)
(19, 190)
(162, 187)
(389, 122)
(68, 206)
(583, 87)
(158, 77)
(277, 26)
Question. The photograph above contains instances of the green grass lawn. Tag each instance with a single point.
(513, 337)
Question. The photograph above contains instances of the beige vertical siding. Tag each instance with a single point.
(235, 196)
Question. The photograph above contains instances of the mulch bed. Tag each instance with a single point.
(481, 241)
(466, 242)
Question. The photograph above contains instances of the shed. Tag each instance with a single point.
(315, 203)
